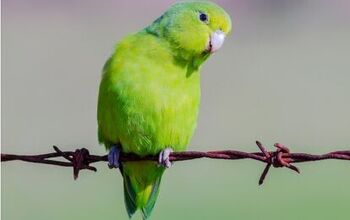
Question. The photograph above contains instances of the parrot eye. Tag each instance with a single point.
(203, 17)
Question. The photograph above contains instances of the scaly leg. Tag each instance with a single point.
(163, 158)
(113, 156)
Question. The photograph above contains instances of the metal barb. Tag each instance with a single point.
(278, 158)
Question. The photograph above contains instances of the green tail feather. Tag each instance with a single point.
(147, 210)
(129, 197)
(141, 186)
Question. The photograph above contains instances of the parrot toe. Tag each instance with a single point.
(113, 156)
(164, 159)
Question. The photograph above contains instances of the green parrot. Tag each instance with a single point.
(149, 94)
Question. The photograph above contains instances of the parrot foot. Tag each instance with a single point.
(164, 159)
(113, 156)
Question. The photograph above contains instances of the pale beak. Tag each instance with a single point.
(216, 40)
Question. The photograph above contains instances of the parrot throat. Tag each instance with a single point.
(195, 63)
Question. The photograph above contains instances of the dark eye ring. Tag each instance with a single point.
(203, 17)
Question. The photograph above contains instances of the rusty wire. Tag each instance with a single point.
(81, 159)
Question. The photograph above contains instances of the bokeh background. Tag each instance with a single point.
(283, 76)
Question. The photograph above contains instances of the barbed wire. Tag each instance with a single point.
(81, 159)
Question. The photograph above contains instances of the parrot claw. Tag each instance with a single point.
(113, 156)
(164, 159)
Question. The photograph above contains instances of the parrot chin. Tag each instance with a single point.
(216, 40)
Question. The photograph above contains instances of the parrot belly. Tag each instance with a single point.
(149, 117)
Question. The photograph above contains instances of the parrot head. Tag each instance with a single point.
(194, 28)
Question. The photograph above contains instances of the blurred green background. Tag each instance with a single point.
(283, 76)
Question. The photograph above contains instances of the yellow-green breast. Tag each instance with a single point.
(147, 99)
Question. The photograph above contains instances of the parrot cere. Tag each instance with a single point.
(149, 94)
